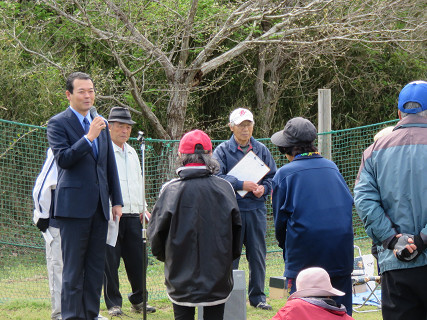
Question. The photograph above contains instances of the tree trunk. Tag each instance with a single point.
(267, 89)
(177, 109)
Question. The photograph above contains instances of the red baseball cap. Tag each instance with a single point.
(189, 141)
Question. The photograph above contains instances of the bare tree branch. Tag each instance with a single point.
(188, 26)
(117, 102)
(44, 57)
(187, 44)
(139, 100)
(146, 44)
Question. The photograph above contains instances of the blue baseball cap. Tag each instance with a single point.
(415, 91)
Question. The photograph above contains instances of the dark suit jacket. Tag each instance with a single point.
(82, 179)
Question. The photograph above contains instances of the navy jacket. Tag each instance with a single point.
(82, 179)
(229, 154)
(312, 209)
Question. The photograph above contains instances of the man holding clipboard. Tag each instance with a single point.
(248, 165)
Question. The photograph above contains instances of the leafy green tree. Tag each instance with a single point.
(166, 59)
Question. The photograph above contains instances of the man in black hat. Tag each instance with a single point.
(312, 208)
(129, 239)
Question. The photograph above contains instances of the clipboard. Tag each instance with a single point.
(249, 168)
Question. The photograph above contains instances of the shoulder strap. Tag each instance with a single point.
(409, 125)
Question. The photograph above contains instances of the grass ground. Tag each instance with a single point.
(24, 292)
(40, 310)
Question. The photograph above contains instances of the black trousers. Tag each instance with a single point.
(83, 254)
(128, 247)
(404, 294)
(209, 313)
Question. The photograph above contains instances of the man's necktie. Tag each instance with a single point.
(87, 125)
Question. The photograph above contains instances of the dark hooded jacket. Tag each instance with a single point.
(195, 229)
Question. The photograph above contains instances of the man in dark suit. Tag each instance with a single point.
(87, 181)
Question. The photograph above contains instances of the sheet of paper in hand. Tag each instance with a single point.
(249, 168)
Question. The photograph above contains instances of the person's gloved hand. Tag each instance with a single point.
(419, 242)
(42, 224)
(398, 245)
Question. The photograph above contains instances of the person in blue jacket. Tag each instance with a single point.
(390, 198)
(252, 205)
(312, 208)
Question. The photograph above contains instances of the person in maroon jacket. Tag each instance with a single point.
(312, 300)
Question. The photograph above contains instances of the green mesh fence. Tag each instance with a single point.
(22, 153)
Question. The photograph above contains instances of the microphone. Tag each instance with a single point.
(94, 113)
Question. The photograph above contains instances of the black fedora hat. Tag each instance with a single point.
(120, 114)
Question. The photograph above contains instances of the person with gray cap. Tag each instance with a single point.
(252, 205)
(129, 239)
(390, 197)
(312, 300)
(312, 208)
